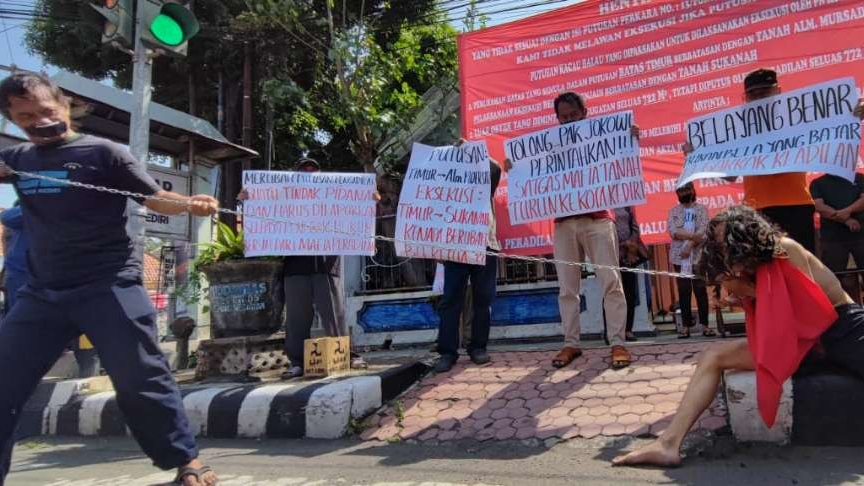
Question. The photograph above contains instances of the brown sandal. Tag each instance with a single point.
(620, 357)
(566, 356)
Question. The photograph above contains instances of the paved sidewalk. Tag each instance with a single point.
(521, 396)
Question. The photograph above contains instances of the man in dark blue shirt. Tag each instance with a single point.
(86, 276)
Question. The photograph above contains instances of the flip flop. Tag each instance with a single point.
(566, 356)
(186, 471)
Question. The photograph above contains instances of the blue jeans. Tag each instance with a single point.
(120, 321)
(456, 276)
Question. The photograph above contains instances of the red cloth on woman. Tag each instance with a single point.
(784, 322)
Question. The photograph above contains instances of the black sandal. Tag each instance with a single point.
(708, 332)
(685, 334)
(191, 471)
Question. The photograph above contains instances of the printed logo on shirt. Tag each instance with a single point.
(72, 165)
(30, 186)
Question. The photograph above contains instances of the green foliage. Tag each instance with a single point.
(390, 52)
(371, 69)
(226, 246)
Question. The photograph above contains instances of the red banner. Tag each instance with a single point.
(668, 61)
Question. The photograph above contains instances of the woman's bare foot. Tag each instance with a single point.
(653, 454)
(196, 474)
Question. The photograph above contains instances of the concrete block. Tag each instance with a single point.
(365, 395)
(328, 411)
(746, 423)
(828, 406)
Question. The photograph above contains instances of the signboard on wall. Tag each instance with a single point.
(174, 227)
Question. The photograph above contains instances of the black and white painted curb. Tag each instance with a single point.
(40, 413)
(817, 408)
(321, 410)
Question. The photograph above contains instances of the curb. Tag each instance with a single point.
(40, 414)
(819, 407)
(320, 410)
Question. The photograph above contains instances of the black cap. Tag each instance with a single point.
(760, 78)
(689, 185)
(307, 161)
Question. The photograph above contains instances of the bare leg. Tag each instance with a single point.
(665, 451)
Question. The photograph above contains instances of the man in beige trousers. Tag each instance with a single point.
(592, 236)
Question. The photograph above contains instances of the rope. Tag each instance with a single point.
(581, 265)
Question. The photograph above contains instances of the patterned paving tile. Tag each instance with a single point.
(520, 396)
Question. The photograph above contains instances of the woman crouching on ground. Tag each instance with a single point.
(800, 302)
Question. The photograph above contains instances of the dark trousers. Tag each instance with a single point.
(686, 289)
(87, 359)
(456, 276)
(835, 256)
(120, 321)
(14, 281)
(796, 221)
(304, 295)
(844, 341)
(630, 282)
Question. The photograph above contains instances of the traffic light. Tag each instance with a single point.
(167, 26)
(119, 21)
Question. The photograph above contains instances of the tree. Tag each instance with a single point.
(372, 70)
(336, 78)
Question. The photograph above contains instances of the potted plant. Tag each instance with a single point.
(245, 294)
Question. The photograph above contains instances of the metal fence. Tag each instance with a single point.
(387, 273)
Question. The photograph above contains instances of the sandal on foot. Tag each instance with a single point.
(186, 471)
(566, 356)
(620, 357)
(358, 363)
(707, 332)
(685, 334)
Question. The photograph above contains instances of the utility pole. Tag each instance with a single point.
(247, 101)
(139, 124)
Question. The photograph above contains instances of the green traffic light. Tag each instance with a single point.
(167, 30)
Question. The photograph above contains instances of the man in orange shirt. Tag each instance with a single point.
(782, 198)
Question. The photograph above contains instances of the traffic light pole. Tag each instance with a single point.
(139, 124)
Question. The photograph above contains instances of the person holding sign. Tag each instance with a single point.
(482, 278)
(312, 283)
(592, 235)
(784, 198)
(792, 302)
(687, 224)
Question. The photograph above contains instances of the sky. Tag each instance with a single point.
(13, 50)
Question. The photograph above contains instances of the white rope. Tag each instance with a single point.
(524, 258)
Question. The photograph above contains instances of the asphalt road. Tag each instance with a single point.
(77, 462)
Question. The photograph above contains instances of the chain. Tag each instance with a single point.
(187, 204)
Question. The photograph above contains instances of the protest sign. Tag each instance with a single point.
(302, 213)
(445, 204)
(576, 168)
(806, 130)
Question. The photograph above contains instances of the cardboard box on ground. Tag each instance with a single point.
(326, 356)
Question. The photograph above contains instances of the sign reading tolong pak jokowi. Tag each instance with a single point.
(174, 227)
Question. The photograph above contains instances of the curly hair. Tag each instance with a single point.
(747, 239)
